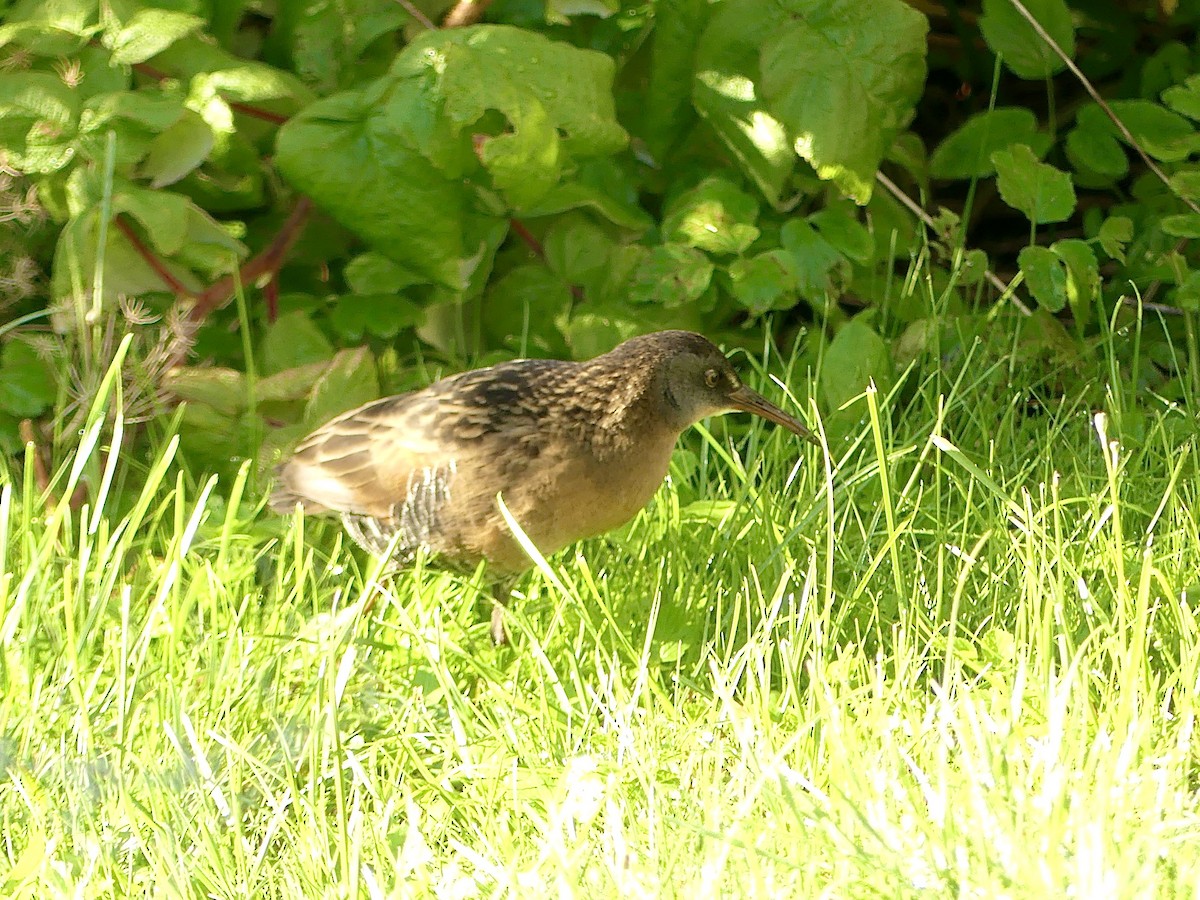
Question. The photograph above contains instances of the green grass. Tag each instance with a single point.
(956, 657)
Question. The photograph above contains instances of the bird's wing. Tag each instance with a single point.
(374, 458)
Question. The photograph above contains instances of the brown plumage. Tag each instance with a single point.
(573, 448)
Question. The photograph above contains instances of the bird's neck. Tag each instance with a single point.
(631, 414)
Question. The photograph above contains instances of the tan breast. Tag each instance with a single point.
(577, 497)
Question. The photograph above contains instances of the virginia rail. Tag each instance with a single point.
(573, 448)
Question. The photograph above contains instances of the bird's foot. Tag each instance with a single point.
(498, 631)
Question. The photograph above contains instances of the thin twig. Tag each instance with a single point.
(992, 278)
(1095, 95)
(411, 9)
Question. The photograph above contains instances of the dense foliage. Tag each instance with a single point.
(381, 192)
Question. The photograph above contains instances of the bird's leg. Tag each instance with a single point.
(501, 593)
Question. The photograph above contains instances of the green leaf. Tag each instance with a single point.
(1092, 146)
(53, 28)
(1083, 276)
(666, 111)
(382, 315)
(149, 32)
(1023, 50)
(765, 282)
(397, 162)
(163, 214)
(351, 153)
(600, 185)
(854, 358)
(1187, 295)
(178, 150)
(348, 382)
(561, 11)
(221, 388)
(520, 75)
(716, 216)
(839, 226)
(578, 251)
(1042, 192)
(291, 341)
(1045, 276)
(523, 301)
(374, 273)
(1185, 183)
(844, 77)
(28, 386)
(1114, 234)
(1163, 134)
(815, 259)
(1184, 98)
(726, 93)
(967, 152)
(670, 275)
(1185, 225)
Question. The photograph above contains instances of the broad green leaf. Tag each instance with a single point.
(28, 386)
(1163, 134)
(716, 216)
(53, 28)
(1010, 35)
(1045, 276)
(519, 74)
(37, 97)
(381, 315)
(163, 214)
(293, 340)
(765, 282)
(967, 152)
(523, 302)
(1187, 295)
(726, 92)
(397, 163)
(1083, 276)
(844, 76)
(815, 258)
(1185, 183)
(221, 388)
(838, 225)
(353, 156)
(178, 150)
(666, 111)
(1115, 233)
(854, 358)
(349, 381)
(149, 32)
(601, 185)
(1186, 225)
(670, 275)
(1040, 191)
(154, 108)
(374, 273)
(1184, 98)
(579, 252)
(1092, 146)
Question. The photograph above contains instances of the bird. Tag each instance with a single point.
(573, 449)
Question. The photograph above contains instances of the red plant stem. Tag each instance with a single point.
(160, 269)
(268, 262)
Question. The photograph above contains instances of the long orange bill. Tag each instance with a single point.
(750, 401)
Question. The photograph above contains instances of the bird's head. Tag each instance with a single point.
(696, 380)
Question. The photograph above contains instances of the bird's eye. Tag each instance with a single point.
(712, 378)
